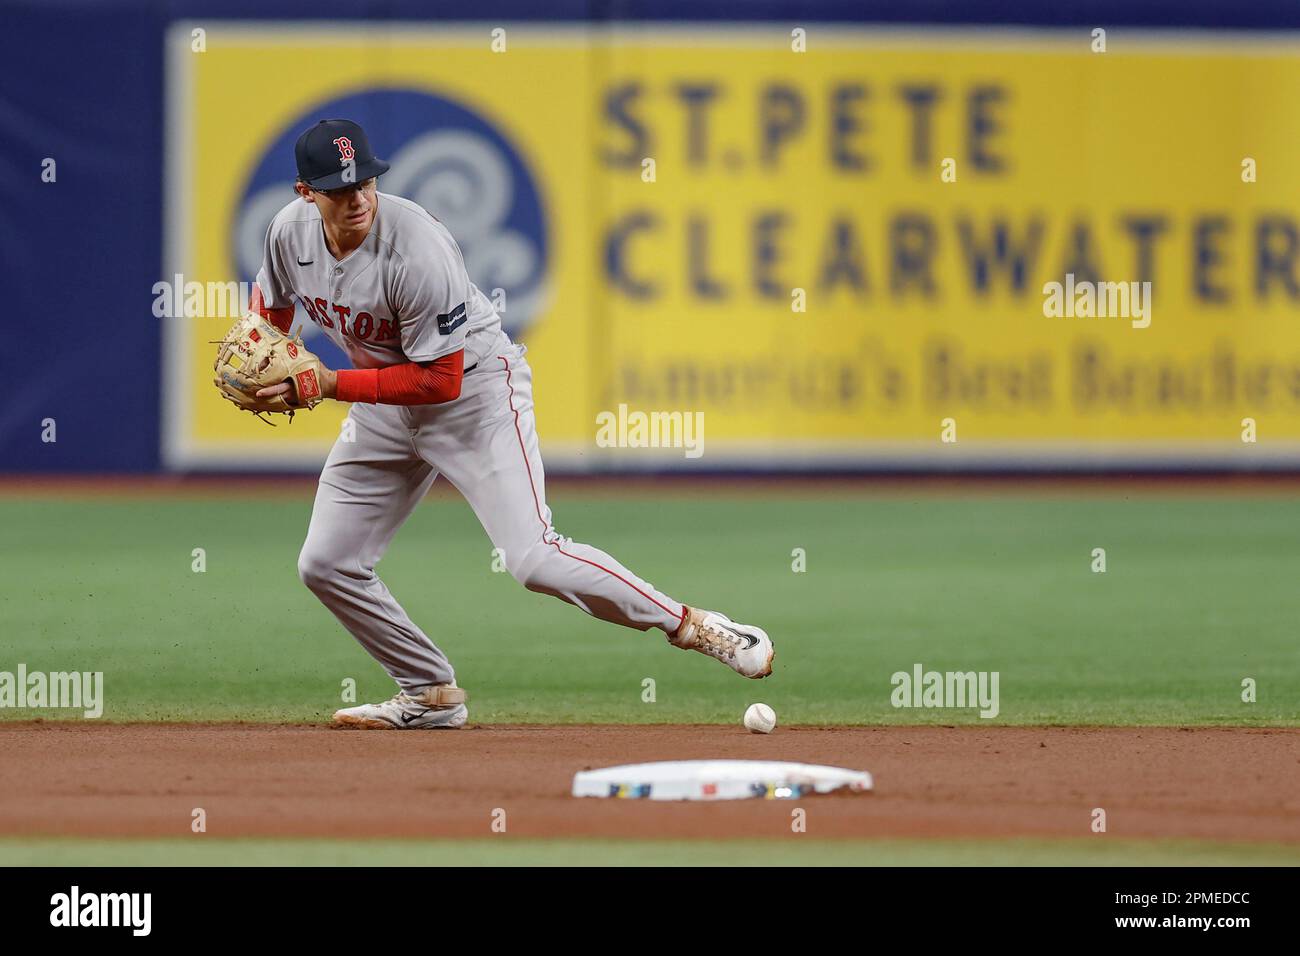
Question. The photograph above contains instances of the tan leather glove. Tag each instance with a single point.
(255, 354)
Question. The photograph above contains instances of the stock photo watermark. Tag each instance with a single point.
(1100, 300)
(960, 690)
(627, 428)
(77, 909)
(60, 690)
(190, 299)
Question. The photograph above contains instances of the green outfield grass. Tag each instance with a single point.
(503, 851)
(1199, 594)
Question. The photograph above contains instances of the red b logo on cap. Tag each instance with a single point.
(346, 152)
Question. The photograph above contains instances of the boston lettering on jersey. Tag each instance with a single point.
(364, 326)
(402, 296)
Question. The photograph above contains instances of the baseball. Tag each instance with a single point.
(760, 719)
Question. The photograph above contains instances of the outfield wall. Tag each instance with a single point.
(837, 260)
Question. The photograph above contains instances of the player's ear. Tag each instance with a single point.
(303, 190)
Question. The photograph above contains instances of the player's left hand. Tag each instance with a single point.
(261, 369)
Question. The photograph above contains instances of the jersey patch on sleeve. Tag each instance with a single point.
(453, 320)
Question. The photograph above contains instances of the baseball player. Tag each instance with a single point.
(437, 388)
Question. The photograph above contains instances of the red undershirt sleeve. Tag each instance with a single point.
(411, 383)
(280, 318)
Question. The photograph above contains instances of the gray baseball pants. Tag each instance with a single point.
(485, 444)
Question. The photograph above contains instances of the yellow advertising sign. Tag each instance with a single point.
(888, 248)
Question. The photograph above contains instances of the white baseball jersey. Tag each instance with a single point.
(401, 296)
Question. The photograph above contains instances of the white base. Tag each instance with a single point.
(717, 780)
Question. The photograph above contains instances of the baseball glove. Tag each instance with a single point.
(255, 354)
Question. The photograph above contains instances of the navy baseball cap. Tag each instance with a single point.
(326, 151)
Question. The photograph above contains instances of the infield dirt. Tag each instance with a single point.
(82, 779)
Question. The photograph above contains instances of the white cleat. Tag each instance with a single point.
(436, 708)
(744, 648)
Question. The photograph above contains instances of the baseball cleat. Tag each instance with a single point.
(744, 648)
(436, 708)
